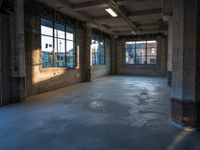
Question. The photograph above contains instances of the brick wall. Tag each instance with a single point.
(153, 70)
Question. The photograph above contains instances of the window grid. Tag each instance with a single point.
(136, 54)
(56, 38)
(98, 50)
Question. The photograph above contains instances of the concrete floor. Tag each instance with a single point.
(111, 113)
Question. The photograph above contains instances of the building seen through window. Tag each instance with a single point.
(141, 52)
(58, 44)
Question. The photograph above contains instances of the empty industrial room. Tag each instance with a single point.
(99, 74)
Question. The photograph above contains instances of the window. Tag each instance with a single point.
(58, 44)
(98, 50)
(141, 52)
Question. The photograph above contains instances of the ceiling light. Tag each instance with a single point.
(111, 12)
(133, 32)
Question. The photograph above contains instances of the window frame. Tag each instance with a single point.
(98, 38)
(65, 40)
(146, 49)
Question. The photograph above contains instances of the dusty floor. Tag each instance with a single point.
(112, 113)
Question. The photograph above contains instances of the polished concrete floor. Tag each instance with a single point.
(111, 113)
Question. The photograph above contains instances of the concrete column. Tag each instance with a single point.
(170, 50)
(113, 56)
(4, 60)
(86, 63)
(17, 52)
(185, 101)
(1, 65)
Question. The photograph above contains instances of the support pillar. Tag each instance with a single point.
(185, 104)
(170, 50)
(113, 56)
(17, 52)
(86, 67)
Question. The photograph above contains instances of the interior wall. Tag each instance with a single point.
(40, 79)
(4, 59)
(152, 70)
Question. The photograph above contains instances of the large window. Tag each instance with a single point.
(98, 50)
(58, 44)
(141, 52)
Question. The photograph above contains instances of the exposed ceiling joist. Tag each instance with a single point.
(122, 14)
(140, 27)
(145, 12)
(136, 19)
(93, 4)
(125, 33)
(66, 8)
(133, 14)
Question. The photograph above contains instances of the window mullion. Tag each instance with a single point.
(135, 53)
(146, 53)
(53, 46)
(65, 47)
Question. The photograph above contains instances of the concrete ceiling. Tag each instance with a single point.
(140, 16)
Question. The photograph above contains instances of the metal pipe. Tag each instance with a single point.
(116, 8)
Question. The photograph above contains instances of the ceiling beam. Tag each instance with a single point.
(140, 27)
(133, 14)
(143, 32)
(66, 8)
(93, 4)
(122, 14)
(145, 12)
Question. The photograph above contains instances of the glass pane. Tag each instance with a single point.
(70, 54)
(140, 56)
(46, 22)
(151, 59)
(130, 56)
(140, 44)
(70, 34)
(98, 50)
(151, 52)
(102, 60)
(47, 51)
(130, 45)
(101, 43)
(93, 59)
(46, 27)
(70, 46)
(71, 58)
(95, 51)
(141, 52)
(101, 48)
(59, 30)
(59, 48)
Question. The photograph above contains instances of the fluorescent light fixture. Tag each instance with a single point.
(111, 12)
(133, 32)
